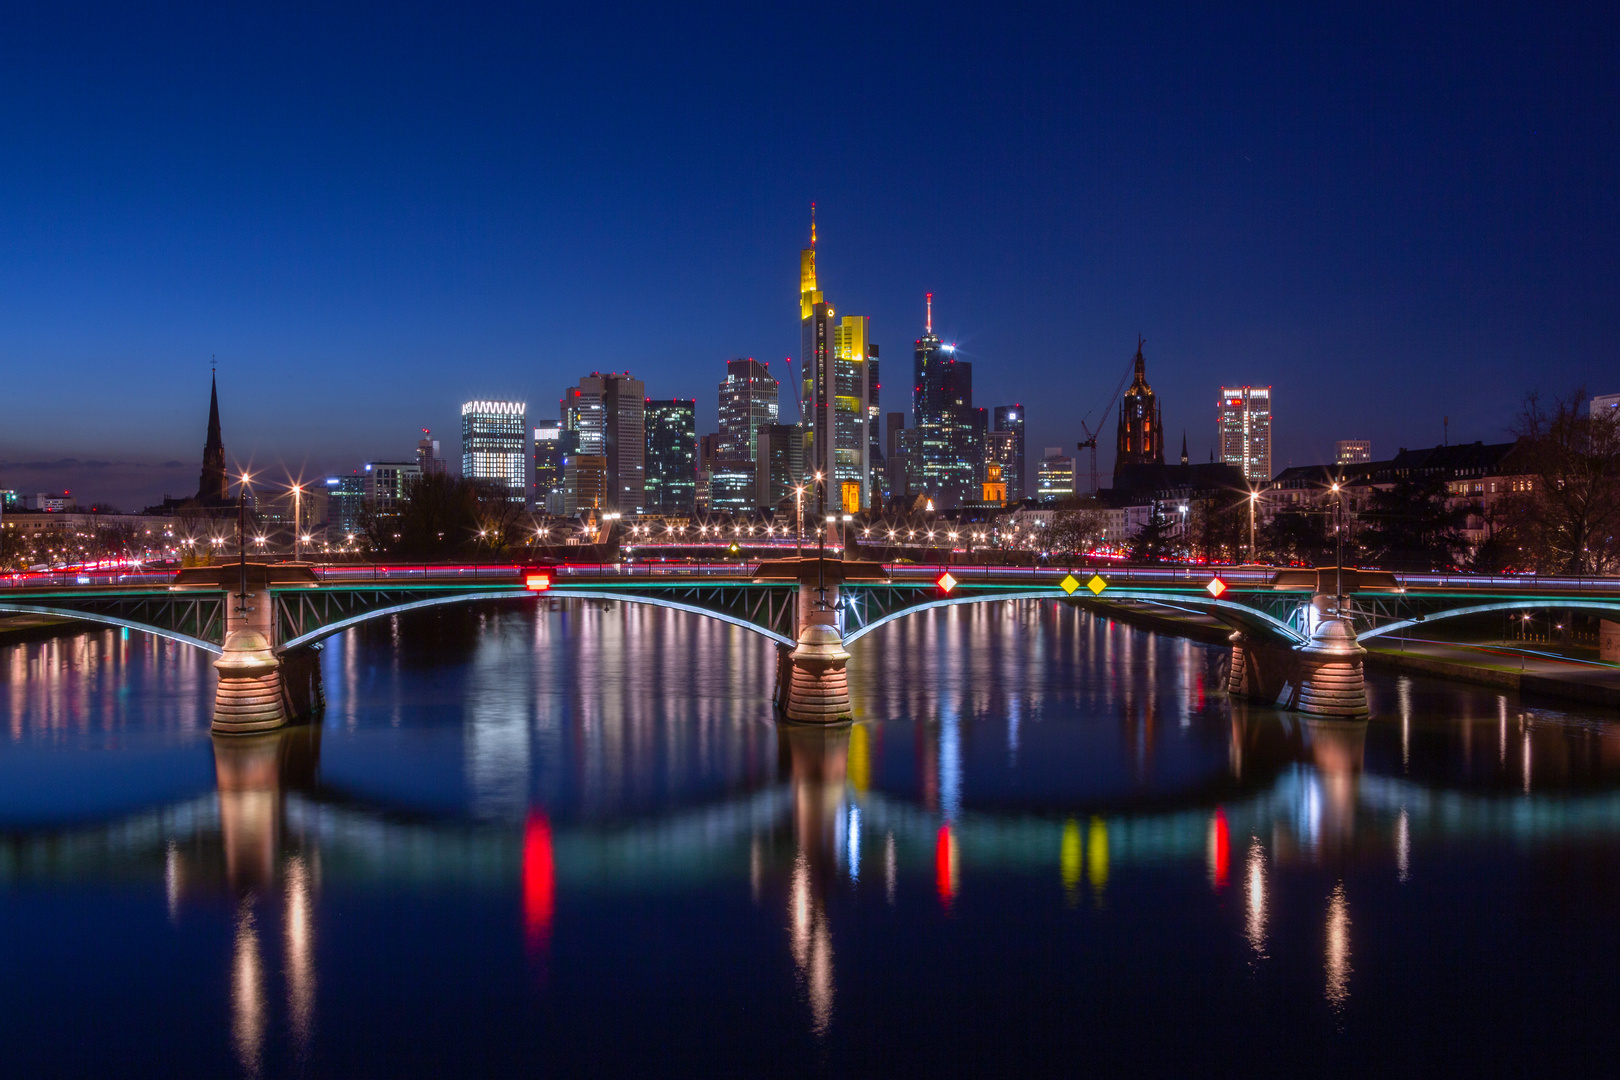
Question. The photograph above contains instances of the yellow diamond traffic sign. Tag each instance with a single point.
(1068, 584)
(1096, 584)
(1216, 586)
(946, 582)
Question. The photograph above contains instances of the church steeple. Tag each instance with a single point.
(1184, 446)
(213, 487)
(1141, 437)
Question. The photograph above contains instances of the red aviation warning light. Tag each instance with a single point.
(537, 582)
(945, 582)
(1216, 587)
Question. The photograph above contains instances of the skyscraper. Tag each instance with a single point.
(428, 457)
(1056, 480)
(779, 464)
(949, 463)
(671, 456)
(839, 365)
(492, 446)
(748, 399)
(1010, 418)
(1141, 438)
(607, 413)
(1244, 418)
(548, 466)
(624, 429)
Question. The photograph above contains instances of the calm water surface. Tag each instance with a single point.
(569, 841)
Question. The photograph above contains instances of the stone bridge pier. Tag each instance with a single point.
(812, 679)
(258, 691)
(1324, 676)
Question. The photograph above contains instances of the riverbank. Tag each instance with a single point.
(1537, 675)
(1489, 665)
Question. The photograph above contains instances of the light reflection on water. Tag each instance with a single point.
(1022, 780)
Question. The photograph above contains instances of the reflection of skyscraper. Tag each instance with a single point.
(671, 456)
(492, 446)
(1244, 415)
(748, 400)
(840, 388)
(948, 462)
(1010, 418)
(1140, 440)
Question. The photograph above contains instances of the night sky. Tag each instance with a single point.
(371, 214)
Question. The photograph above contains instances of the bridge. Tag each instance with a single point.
(1295, 638)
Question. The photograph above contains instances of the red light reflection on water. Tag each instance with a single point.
(945, 868)
(1220, 849)
(539, 879)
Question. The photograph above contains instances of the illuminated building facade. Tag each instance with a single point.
(840, 371)
(948, 462)
(493, 446)
(428, 457)
(1141, 436)
(779, 465)
(1010, 421)
(585, 483)
(748, 400)
(549, 452)
(1352, 452)
(1244, 417)
(607, 414)
(1056, 479)
(671, 456)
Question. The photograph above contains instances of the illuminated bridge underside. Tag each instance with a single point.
(305, 615)
(191, 620)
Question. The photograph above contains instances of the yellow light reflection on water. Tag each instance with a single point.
(1097, 856)
(1069, 861)
(1254, 926)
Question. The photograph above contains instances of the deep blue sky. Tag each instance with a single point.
(371, 214)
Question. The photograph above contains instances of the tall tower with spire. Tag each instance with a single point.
(1141, 437)
(213, 487)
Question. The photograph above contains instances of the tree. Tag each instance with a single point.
(440, 517)
(1569, 522)
(1152, 542)
(1413, 526)
(1218, 530)
(1298, 537)
(1075, 532)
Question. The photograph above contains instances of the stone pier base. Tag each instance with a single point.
(1323, 677)
(249, 697)
(817, 689)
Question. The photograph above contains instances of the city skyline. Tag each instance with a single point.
(1209, 182)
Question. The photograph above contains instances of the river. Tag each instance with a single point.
(571, 839)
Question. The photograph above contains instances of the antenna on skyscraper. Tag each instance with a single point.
(812, 224)
(930, 313)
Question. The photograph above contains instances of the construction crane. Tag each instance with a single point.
(1090, 441)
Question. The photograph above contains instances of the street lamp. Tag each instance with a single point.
(1254, 497)
(298, 491)
(1338, 560)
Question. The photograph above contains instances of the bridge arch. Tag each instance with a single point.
(111, 620)
(1610, 607)
(557, 594)
(1228, 611)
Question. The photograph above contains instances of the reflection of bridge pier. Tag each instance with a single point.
(816, 760)
(254, 774)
